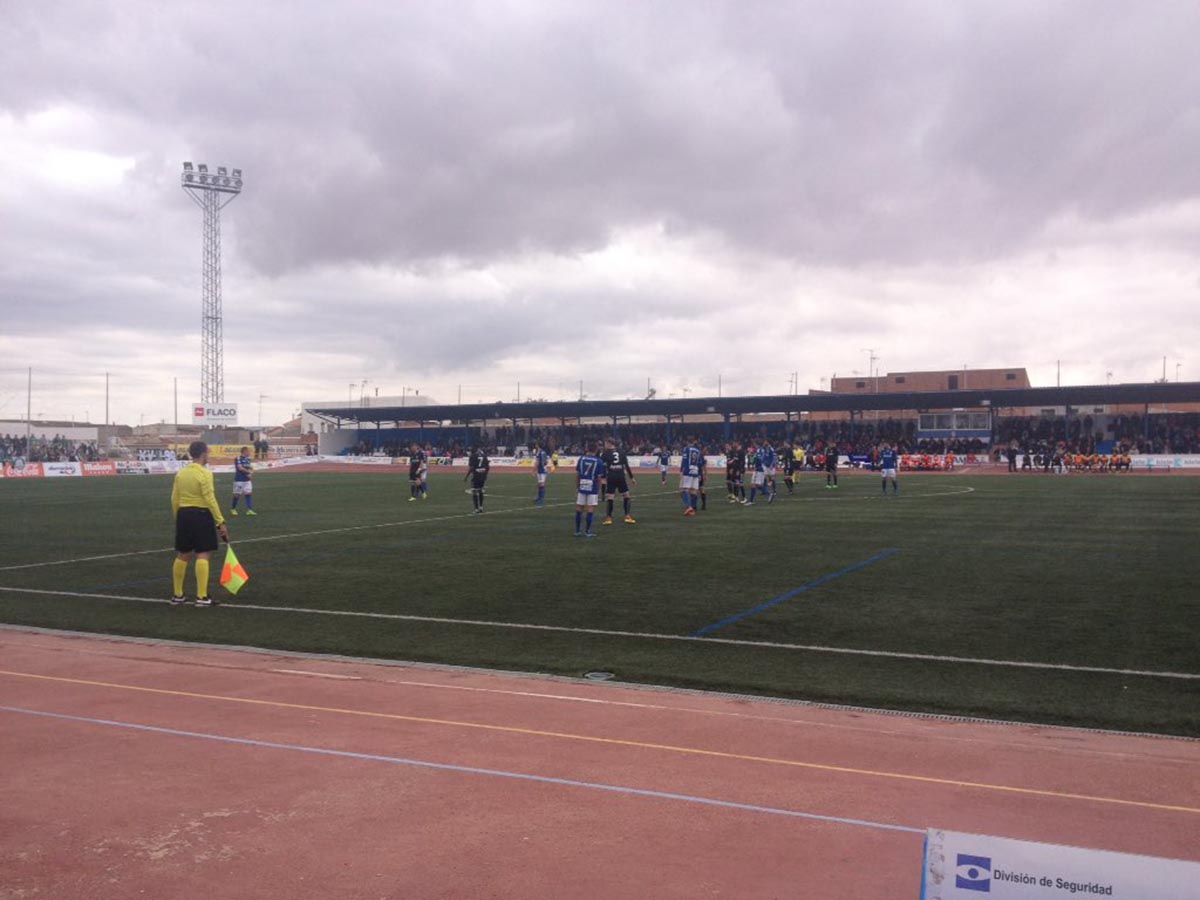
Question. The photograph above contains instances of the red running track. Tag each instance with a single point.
(147, 769)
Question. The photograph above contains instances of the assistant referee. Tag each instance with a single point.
(198, 520)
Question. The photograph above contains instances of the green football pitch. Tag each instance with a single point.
(1042, 599)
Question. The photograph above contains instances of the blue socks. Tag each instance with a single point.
(578, 520)
(590, 517)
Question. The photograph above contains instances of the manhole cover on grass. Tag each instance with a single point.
(599, 676)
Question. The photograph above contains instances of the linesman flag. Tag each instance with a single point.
(233, 576)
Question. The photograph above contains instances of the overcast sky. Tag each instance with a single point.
(478, 194)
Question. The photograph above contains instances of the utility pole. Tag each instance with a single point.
(107, 420)
(718, 384)
(581, 389)
(176, 413)
(261, 398)
(871, 360)
(29, 415)
(1058, 373)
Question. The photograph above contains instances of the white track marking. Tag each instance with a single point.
(644, 635)
(493, 512)
(316, 674)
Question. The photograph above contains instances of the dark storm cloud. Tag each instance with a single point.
(861, 133)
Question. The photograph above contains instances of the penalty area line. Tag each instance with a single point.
(643, 635)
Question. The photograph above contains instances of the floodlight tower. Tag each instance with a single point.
(211, 193)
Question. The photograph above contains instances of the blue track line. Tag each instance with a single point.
(470, 770)
(737, 617)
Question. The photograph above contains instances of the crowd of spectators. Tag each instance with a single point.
(55, 449)
(1174, 433)
(1161, 433)
(858, 437)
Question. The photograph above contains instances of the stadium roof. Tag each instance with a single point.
(1086, 395)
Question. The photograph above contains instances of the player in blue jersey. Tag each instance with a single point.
(243, 486)
(889, 464)
(541, 469)
(757, 466)
(664, 463)
(770, 461)
(691, 467)
(589, 481)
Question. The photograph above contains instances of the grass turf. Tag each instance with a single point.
(1086, 571)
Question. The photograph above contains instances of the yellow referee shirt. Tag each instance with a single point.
(194, 487)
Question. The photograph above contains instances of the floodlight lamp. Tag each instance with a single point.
(204, 179)
(237, 173)
(203, 167)
(225, 181)
(221, 170)
(187, 167)
(188, 176)
(237, 182)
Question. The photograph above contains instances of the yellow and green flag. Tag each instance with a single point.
(233, 576)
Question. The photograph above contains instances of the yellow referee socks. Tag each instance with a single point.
(202, 578)
(178, 571)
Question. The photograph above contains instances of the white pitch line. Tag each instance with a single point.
(645, 635)
(494, 512)
(294, 534)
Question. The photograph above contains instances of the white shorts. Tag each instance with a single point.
(241, 488)
(889, 473)
(662, 470)
(770, 471)
(689, 482)
(541, 477)
(587, 499)
(758, 477)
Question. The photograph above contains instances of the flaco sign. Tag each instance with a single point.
(214, 413)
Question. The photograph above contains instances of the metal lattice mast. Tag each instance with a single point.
(211, 193)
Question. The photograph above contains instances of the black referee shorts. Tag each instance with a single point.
(478, 480)
(195, 530)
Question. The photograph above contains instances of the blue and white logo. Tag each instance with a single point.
(974, 873)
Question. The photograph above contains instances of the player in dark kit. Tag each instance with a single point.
(735, 465)
(787, 460)
(831, 466)
(418, 464)
(478, 466)
(619, 477)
